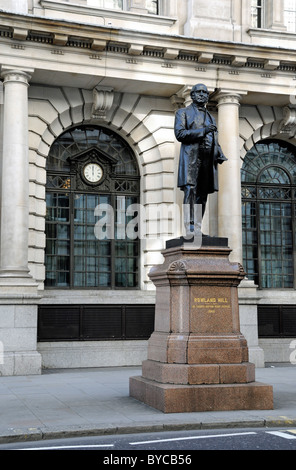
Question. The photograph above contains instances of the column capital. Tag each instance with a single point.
(177, 102)
(228, 97)
(184, 93)
(14, 74)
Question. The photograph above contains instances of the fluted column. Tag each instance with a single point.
(15, 177)
(229, 196)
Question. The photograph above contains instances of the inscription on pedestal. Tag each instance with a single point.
(210, 313)
(211, 304)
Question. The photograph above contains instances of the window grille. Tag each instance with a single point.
(95, 322)
(276, 321)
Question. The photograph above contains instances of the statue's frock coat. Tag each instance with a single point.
(194, 170)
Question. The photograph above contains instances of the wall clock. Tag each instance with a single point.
(92, 172)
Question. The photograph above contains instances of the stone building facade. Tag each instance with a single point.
(97, 83)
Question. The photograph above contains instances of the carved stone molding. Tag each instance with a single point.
(102, 101)
(177, 267)
(288, 123)
(177, 102)
(242, 272)
(184, 93)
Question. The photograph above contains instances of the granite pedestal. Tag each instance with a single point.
(197, 356)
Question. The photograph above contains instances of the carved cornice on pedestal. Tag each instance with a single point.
(178, 267)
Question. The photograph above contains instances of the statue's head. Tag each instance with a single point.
(199, 94)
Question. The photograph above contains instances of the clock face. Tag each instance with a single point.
(93, 172)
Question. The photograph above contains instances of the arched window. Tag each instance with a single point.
(268, 213)
(92, 184)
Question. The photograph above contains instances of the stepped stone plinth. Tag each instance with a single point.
(197, 356)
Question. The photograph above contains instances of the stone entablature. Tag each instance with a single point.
(22, 29)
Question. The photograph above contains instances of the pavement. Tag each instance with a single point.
(84, 402)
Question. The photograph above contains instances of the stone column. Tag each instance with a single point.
(229, 196)
(18, 290)
(15, 178)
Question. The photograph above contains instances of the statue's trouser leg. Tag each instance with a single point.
(194, 209)
(189, 200)
(202, 200)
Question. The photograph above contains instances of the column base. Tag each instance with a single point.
(18, 332)
(13, 285)
(256, 355)
(21, 363)
(10, 272)
(170, 398)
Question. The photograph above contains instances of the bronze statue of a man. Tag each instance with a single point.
(200, 153)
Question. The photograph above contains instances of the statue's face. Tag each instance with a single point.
(200, 94)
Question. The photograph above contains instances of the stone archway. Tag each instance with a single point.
(145, 122)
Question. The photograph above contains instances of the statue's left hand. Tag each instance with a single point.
(210, 128)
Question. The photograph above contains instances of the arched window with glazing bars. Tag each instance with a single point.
(92, 184)
(268, 178)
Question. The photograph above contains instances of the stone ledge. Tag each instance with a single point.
(198, 374)
(195, 398)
